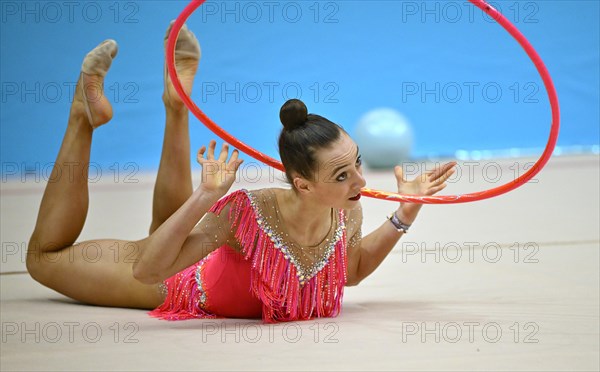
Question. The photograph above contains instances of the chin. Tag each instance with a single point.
(351, 204)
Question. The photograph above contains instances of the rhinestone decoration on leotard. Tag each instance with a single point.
(303, 272)
(199, 282)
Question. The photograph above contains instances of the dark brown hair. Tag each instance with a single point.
(303, 134)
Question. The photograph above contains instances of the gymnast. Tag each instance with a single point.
(280, 254)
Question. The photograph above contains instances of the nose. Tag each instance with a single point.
(360, 180)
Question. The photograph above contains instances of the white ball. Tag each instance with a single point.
(385, 138)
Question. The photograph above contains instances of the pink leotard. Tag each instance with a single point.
(266, 279)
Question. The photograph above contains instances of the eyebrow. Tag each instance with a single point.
(339, 168)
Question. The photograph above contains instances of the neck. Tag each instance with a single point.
(304, 215)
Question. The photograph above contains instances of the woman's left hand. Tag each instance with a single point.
(427, 184)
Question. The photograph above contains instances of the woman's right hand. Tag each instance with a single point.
(218, 174)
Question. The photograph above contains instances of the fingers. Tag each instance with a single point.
(443, 178)
(211, 150)
(442, 171)
(210, 155)
(438, 178)
(200, 155)
(436, 189)
(233, 163)
(448, 166)
(224, 152)
(398, 173)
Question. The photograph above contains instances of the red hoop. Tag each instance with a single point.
(442, 199)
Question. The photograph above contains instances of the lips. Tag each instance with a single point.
(355, 198)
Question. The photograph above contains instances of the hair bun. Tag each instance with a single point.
(293, 114)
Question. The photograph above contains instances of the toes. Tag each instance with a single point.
(187, 45)
(169, 29)
(99, 60)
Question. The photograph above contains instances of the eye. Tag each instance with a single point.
(343, 176)
(359, 161)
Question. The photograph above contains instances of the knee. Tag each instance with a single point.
(35, 270)
(35, 263)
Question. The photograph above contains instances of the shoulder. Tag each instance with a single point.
(229, 201)
(353, 219)
(243, 199)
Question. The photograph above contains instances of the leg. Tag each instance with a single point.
(174, 179)
(96, 272)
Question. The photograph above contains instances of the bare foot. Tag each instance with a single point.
(187, 57)
(89, 100)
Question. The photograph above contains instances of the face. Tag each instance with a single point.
(338, 178)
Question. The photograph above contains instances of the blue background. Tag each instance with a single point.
(465, 85)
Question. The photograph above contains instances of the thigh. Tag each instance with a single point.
(97, 272)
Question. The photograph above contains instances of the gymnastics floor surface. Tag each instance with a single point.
(509, 283)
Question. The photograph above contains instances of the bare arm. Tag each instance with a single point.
(177, 243)
(366, 256)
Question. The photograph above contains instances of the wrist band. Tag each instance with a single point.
(399, 225)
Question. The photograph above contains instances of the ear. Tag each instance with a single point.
(302, 185)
